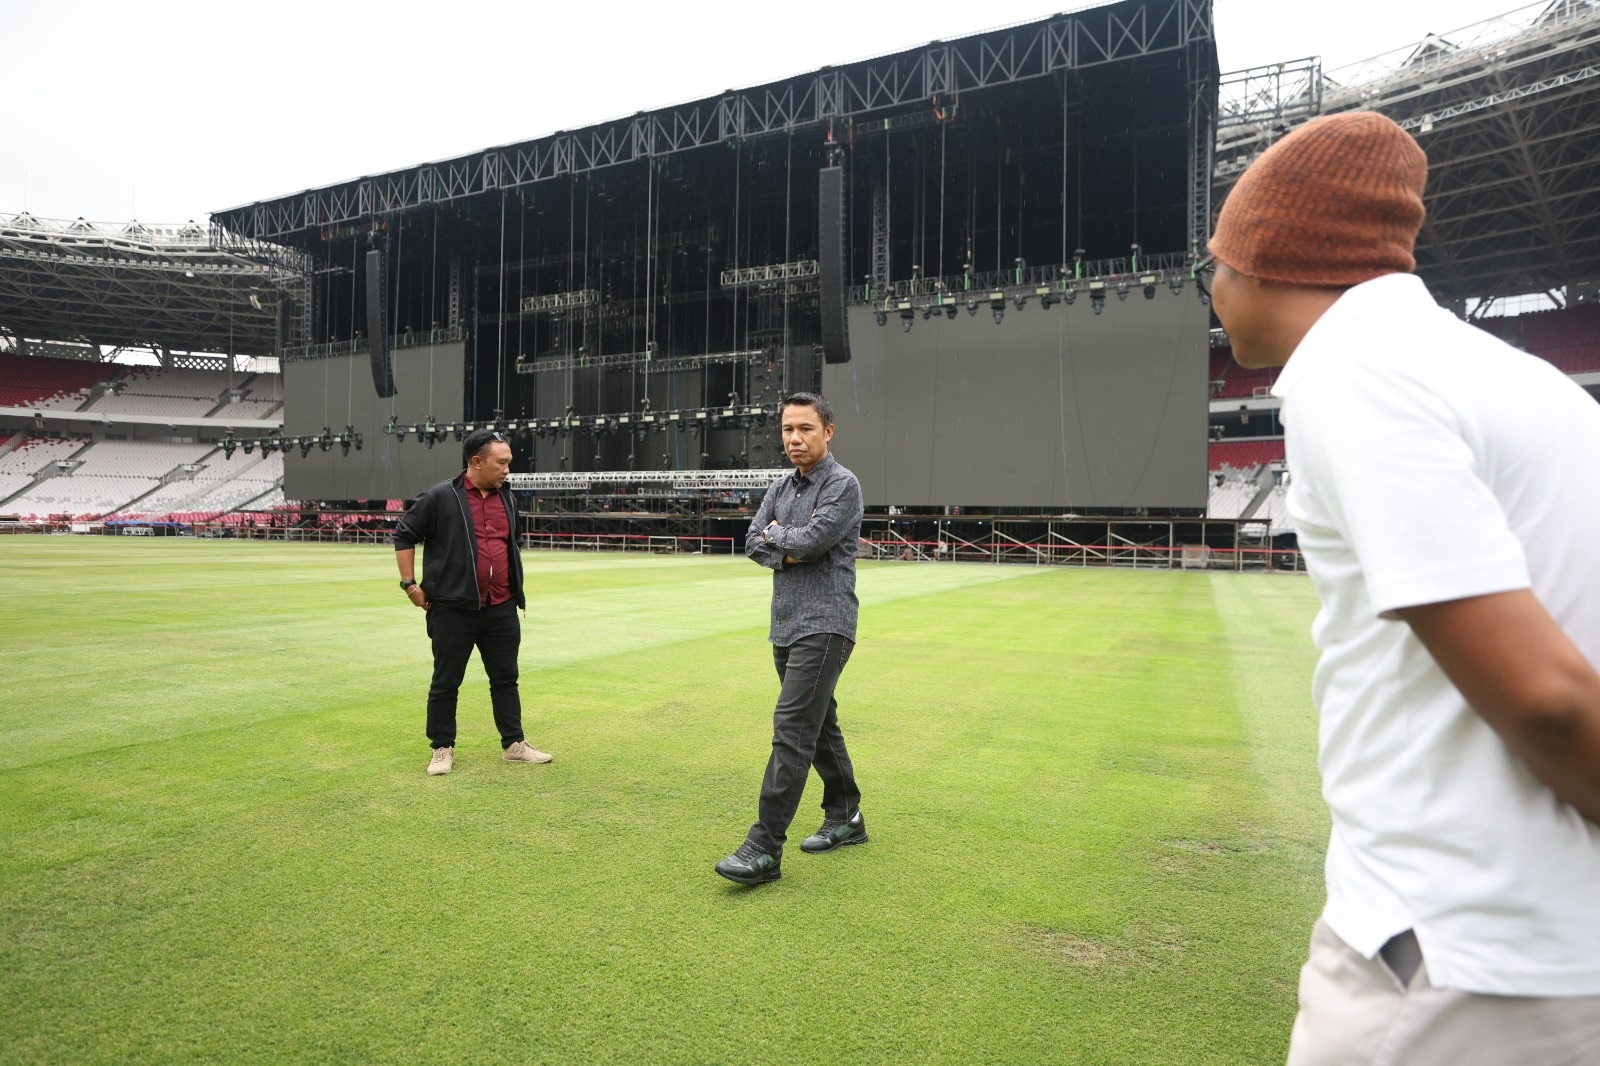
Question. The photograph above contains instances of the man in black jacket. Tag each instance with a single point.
(471, 588)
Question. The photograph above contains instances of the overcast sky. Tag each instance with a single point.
(165, 110)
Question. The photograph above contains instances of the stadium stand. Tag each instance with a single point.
(153, 391)
(224, 485)
(1243, 383)
(1274, 510)
(1244, 456)
(1569, 338)
(48, 384)
(191, 394)
(1236, 468)
(19, 466)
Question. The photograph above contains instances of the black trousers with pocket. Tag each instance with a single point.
(805, 733)
(497, 634)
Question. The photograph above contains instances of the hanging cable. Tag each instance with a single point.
(500, 342)
(788, 212)
(1063, 258)
(399, 254)
(943, 131)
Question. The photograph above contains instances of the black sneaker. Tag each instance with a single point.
(836, 833)
(750, 865)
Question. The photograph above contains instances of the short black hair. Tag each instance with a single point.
(478, 440)
(808, 399)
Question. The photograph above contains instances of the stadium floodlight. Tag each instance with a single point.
(1175, 283)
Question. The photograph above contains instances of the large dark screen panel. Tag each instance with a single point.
(1050, 407)
(331, 392)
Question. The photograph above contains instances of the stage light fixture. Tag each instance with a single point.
(880, 318)
(306, 444)
(389, 426)
(400, 432)
(228, 444)
(907, 317)
(1149, 283)
(1175, 283)
(325, 441)
(972, 305)
(1097, 296)
(247, 445)
(1122, 290)
(999, 311)
(1070, 296)
(950, 309)
(1020, 299)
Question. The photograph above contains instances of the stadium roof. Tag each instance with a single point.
(187, 287)
(1508, 111)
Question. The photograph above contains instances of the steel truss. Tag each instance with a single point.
(359, 346)
(744, 277)
(561, 301)
(1508, 111)
(632, 360)
(1074, 41)
(681, 480)
(1079, 278)
(163, 287)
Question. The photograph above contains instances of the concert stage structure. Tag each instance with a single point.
(980, 249)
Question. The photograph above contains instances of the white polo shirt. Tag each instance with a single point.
(1431, 462)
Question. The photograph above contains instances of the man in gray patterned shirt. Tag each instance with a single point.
(805, 531)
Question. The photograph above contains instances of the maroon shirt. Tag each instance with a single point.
(491, 527)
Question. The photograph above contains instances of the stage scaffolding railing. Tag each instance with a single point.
(1133, 542)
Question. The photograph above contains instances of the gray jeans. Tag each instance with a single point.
(805, 733)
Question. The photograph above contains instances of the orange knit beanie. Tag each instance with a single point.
(1336, 202)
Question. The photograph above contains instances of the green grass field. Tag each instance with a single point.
(1092, 795)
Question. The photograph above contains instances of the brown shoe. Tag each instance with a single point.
(524, 752)
(443, 761)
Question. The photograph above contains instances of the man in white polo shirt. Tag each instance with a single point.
(1446, 491)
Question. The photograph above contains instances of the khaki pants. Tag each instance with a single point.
(1355, 1010)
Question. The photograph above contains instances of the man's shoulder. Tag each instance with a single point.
(838, 471)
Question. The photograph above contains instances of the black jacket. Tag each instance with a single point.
(441, 521)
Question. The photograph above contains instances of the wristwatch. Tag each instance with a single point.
(407, 585)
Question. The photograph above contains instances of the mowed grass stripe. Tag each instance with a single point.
(1076, 856)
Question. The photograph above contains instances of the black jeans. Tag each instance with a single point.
(805, 733)
(497, 634)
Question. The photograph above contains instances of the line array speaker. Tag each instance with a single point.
(830, 265)
(285, 315)
(378, 323)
